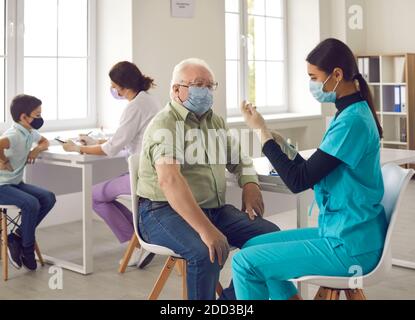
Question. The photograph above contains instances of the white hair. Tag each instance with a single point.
(182, 66)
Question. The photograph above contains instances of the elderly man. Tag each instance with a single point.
(182, 199)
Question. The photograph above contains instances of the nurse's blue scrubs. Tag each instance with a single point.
(352, 222)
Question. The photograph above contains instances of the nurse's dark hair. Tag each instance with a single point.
(331, 54)
(128, 76)
(23, 104)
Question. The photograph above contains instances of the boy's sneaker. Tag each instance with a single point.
(29, 259)
(14, 248)
(145, 259)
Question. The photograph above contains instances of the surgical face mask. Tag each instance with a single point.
(200, 100)
(115, 94)
(37, 123)
(317, 90)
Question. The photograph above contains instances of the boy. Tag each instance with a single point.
(15, 152)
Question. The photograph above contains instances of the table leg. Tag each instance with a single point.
(87, 233)
(88, 255)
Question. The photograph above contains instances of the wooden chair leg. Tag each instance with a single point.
(219, 289)
(179, 268)
(324, 294)
(134, 243)
(184, 279)
(164, 275)
(4, 249)
(39, 255)
(355, 294)
(335, 295)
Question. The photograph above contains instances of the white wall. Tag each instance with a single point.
(303, 35)
(160, 42)
(390, 26)
(114, 44)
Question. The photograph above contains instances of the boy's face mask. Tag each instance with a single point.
(36, 123)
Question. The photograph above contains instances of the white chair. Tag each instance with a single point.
(173, 258)
(396, 181)
(134, 244)
(5, 221)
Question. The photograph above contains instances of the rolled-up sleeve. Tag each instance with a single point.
(164, 144)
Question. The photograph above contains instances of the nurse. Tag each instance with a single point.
(345, 173)
(127, 83)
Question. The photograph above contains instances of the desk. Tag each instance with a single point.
(56, 156)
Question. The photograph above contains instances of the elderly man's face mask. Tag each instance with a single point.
(199, 101)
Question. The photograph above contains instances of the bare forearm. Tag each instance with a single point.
(4, 144)
(3, 157)
(93, 150)
(266, 135)
(42, 146)
(181, 199)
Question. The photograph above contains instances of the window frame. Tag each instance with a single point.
(14, 70)
(243, 65)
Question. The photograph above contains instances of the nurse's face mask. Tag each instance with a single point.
(115, 94)
(317, 90)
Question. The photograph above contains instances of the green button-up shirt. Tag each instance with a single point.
(204, 148)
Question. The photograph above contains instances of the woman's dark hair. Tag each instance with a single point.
(23, 104)
(128, 76)
(331, 54)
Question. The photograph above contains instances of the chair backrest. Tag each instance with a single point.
(133, 166)
(396, 181)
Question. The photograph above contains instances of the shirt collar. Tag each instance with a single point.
(22, 129)
(184, 113)
(345, 102)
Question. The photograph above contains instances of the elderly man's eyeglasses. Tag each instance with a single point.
(211, 86)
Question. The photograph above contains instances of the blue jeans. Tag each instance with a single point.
(35, 203)
(159, 224)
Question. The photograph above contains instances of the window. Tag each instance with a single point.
(51, 53)
(256, 54)
(2, 59)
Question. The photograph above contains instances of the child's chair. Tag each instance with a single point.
(6, 221)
